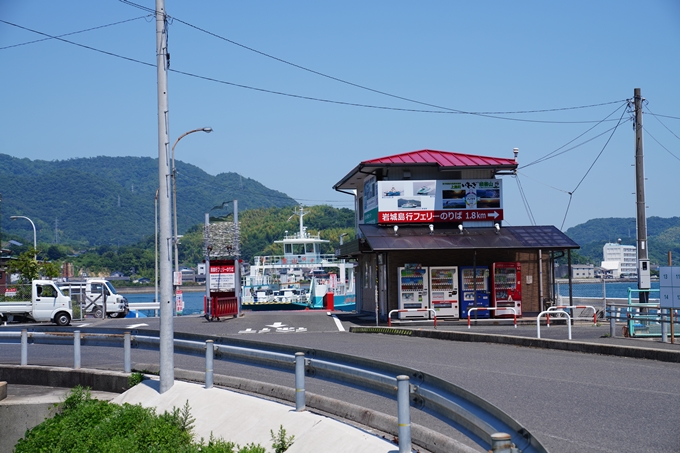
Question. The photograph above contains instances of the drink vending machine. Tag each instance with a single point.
(413, 292)
(468, 282)
(444, 291)
(507, 289)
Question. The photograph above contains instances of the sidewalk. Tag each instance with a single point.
(245, 419)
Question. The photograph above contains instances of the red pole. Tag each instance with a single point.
(468, 319)
(435, 320)
(514, 315)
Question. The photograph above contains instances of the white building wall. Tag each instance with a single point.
(625, 255)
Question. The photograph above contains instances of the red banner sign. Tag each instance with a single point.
(455, 216)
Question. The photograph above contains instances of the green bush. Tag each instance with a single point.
(84, 424)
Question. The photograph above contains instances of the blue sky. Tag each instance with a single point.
(62, 101)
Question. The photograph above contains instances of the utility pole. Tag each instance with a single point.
(167, 371)
(642, 252)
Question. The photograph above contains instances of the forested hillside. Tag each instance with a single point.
(110, 200)
(259, 229)
(663, 235)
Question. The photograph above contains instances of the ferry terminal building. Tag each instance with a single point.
(432, 209)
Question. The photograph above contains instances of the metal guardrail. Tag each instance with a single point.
(467, 412)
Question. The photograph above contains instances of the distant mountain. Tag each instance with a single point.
(663, 235)
(110, 200)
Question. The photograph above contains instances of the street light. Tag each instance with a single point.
(35, 242)
(174, 190)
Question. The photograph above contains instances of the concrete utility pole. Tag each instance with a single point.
(167, 364)
(642, 253)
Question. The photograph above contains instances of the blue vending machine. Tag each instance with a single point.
(468, 282)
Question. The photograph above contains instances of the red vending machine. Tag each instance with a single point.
(506, 290)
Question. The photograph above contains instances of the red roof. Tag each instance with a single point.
(442, 158)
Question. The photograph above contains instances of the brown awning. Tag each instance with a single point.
(381, 238)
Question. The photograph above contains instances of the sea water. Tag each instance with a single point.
(614, 289)
(193, 300)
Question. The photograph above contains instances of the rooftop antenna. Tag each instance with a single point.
(515, 151)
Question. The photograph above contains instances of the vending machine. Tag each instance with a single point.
(413, 292)
(506, 289)
(469, 281)
(444, 291)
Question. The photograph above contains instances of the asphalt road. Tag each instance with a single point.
(573, 402)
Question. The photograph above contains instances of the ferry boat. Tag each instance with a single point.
(301, 278)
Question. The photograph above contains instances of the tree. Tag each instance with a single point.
(26, 266)
(30, 269)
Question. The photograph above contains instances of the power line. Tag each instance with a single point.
(525, 201)
(659, 143)
(656, 118)
(356, 85)
(552, 153)
(451, 111)
(590, 168)
(72, 33)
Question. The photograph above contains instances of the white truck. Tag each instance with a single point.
(47, 303)
(90, 295)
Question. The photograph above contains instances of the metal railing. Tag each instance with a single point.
(462, 409)
(471, 309)
(547, 313)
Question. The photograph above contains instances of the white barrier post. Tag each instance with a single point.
(127, 362)
(24, 347)
(76, 349)
(404, 413)
(299, 381)
(209, 363)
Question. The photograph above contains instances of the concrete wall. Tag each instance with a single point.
(20, 413)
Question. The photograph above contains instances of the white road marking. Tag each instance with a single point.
(338, 323)
(134, 326)
(276, 325)
(265, 330)
(248, 330)
(84, 324)
(301, 329)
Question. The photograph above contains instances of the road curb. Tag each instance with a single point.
(425, 438)
(661, 355)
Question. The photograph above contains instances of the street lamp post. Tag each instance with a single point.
(35, 242)
(174, 191)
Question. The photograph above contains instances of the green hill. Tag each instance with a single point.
(663, 235)
(110, 200)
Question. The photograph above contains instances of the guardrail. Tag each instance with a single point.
(514, 313)
(405, 310)
(547, 313)
(561, 308)
(472, 415)
(145, 306)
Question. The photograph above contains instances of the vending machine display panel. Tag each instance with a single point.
(444, 295)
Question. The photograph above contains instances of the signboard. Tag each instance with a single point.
(433, 201)
(371, 200)
(179, 301)
(10, 292)
(177, 278)
(222, 278)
